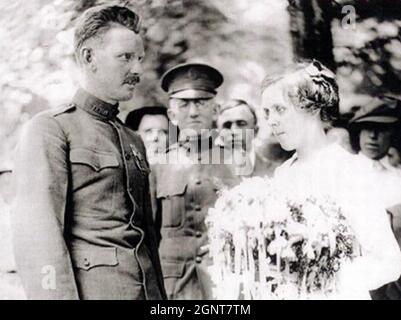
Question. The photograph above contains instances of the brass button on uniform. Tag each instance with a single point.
(127, 156)
(198, 208)
(86, 262)
(198, 259)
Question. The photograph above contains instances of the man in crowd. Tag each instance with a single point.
(188, 181)
(375, 125)
(373, 129)
(82, 221)
(238, 126)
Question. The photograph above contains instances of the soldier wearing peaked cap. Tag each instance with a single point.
(192, 81)
(185, 189)
(373, 129)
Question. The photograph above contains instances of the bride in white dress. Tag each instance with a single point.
(299, 104)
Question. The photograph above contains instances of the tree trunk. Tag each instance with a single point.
(311, 30)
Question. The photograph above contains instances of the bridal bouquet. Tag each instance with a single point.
(266, 244)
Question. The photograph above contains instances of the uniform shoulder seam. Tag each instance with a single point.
(63, 109)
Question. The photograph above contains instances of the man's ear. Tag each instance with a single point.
(218, 107)
(87, 59)
(172, 116)
(256, 130)
(215, 111)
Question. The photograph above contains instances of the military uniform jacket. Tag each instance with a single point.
(186, 187)
(82, 221)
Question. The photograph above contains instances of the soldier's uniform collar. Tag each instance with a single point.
(95, 106)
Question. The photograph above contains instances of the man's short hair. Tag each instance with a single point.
(97, 20)
(233, 103)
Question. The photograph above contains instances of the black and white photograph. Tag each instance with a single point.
(201, 150)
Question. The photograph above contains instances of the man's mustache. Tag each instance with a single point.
(134, 79)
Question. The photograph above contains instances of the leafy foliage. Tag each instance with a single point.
(368, 54)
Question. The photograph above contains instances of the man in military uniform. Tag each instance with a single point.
(238, 126)
(82, 222)
(187, 180)
(373, 129)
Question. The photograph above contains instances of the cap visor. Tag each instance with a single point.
(192, 94)
(378, 119)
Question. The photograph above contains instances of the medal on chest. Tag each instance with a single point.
(139, 160)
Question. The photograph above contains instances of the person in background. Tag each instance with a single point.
(187, 183)
(373, 129)
(238, 126)
(152, 124)
(157, 133)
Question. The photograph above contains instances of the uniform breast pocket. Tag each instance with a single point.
(94, 257)
(96, 160)
(94, 177)
(172, 197)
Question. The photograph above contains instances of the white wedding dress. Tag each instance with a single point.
(350, 182)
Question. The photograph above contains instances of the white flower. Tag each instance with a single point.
(288, 254)
(255, 212)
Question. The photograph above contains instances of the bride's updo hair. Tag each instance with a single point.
(309, 85)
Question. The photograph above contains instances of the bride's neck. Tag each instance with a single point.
(315, 140)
